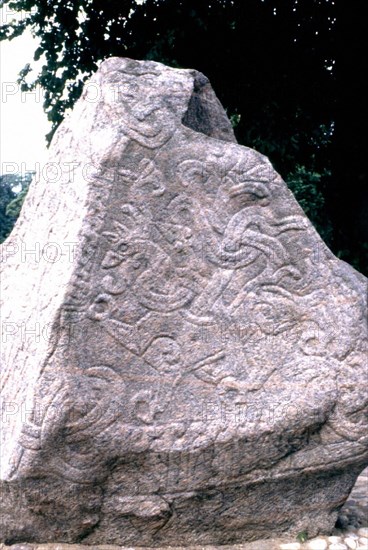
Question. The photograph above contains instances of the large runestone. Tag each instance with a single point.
(184, 359)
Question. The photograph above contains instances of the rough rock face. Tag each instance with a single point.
(183, 356)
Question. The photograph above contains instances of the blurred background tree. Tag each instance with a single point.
(289, 72)
(7, 195)
(13, 189)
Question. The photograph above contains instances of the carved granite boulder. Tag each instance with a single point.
(183, 357)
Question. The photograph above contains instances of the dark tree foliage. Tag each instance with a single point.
(6, 196)
(349, 196)
(13, 189)
(278, 66)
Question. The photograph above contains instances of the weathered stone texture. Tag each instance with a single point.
(196, 375)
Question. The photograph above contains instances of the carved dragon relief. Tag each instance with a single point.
(165, 284)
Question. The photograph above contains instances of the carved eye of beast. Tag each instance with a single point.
(115, 257)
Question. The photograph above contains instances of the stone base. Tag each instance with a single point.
(225, 515)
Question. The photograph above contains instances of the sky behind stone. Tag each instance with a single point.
(23, 124)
